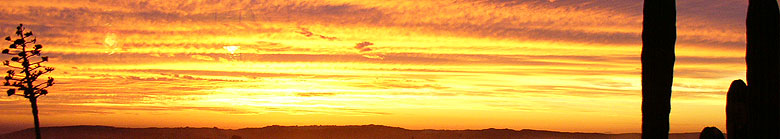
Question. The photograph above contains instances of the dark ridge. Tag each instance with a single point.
(310, 132)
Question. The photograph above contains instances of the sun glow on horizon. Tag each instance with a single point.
(231, 49)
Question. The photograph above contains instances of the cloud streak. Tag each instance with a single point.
(307, 33)
(365, 51)
(363, 46)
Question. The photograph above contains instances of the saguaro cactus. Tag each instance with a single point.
(736, 110)
(711, 133)
(763, 69)
(659, 34)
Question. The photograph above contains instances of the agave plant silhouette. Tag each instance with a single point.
(26, 61)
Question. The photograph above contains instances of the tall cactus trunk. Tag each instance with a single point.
(763, 69)
(736, 110)
(659, 34)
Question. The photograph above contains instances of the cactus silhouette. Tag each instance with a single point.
(736, 110)
(659, 34)
(26, 60)
(711, 133)
(763, 64)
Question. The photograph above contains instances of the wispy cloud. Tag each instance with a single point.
(363, 46)
(202, 57)
(307, 33)
(364, 50)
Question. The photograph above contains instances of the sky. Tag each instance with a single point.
(563, 65)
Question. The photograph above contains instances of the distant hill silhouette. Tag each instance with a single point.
(311, 132)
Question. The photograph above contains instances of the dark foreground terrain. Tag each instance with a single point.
(310, 132)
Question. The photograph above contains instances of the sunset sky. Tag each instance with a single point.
(564, 65)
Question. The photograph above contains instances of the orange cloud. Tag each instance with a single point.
(531, 59)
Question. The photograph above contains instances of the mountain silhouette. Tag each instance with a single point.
(312, 132)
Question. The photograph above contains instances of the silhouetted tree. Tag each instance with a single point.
(28, 70)
(711, 133)
(763, 69)
(659, 34)
(736, 110)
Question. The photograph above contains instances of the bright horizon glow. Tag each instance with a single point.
(430, 64)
